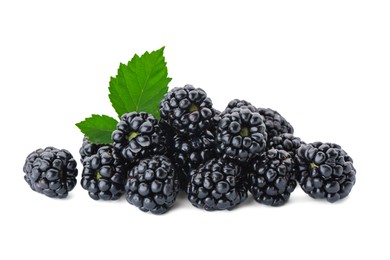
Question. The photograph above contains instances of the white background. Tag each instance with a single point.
(324, 65)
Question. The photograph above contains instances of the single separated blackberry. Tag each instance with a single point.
(152, 185)
(88, 148)
(241, 135)
(217, 185)
(51, 171)
(103, 174)
(188, 110)
(191, 151)
(275, 123)
(138, 135)
(325, 171)
(272, 179)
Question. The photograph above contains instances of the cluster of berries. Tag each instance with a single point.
(215, 157)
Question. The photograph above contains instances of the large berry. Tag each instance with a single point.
(241, 135)
(103, 174)
(188, 110)
(272, 179)
(325, 171)
(88, 148)
(275, 123)
(191, 151)
(51, 171)
(138, 135)
(217, 185)
(152, 185)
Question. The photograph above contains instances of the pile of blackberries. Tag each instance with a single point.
(214, 157)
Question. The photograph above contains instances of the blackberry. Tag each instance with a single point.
(51, 171)
(275, 123)
(325, 171)
(217, 185)
(137, 135)
(289, 143)
(238, 103)
(241, 135)
(103, 174)
(188, 110)
(152, 185)
(272, 179)
(191, 151)
(88, 148)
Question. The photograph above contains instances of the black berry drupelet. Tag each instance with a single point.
(152, 185)
(51, 171)
(241, 135)
(188, 110)
(272, 179)
(137, 135)
(191, 151)
(88, 148)
(275, 123)
(325, 171)
(217, 185)
(104, 174)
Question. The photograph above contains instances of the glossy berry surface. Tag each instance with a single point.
(326, 171)
(103, 174)
(51, 171)
(275, 123)
(272, 179)
(87, 149)
(191, 151)
(241, 135)
(138, 135)
(217, 185)
(238, 103)
(152, 185)
(187, 109)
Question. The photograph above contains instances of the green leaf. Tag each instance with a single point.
(98, 128)
(141, 84)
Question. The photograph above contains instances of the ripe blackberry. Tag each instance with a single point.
(191, 151)
(238, 103)
(325, 171)
(289, 143)
(138, 135)
(152, 185)
(272, 179)
(217, 185)
(188, 110)
(103, 174)
(51, 171)
(88, 148)
(241, 135)
(275, 123)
